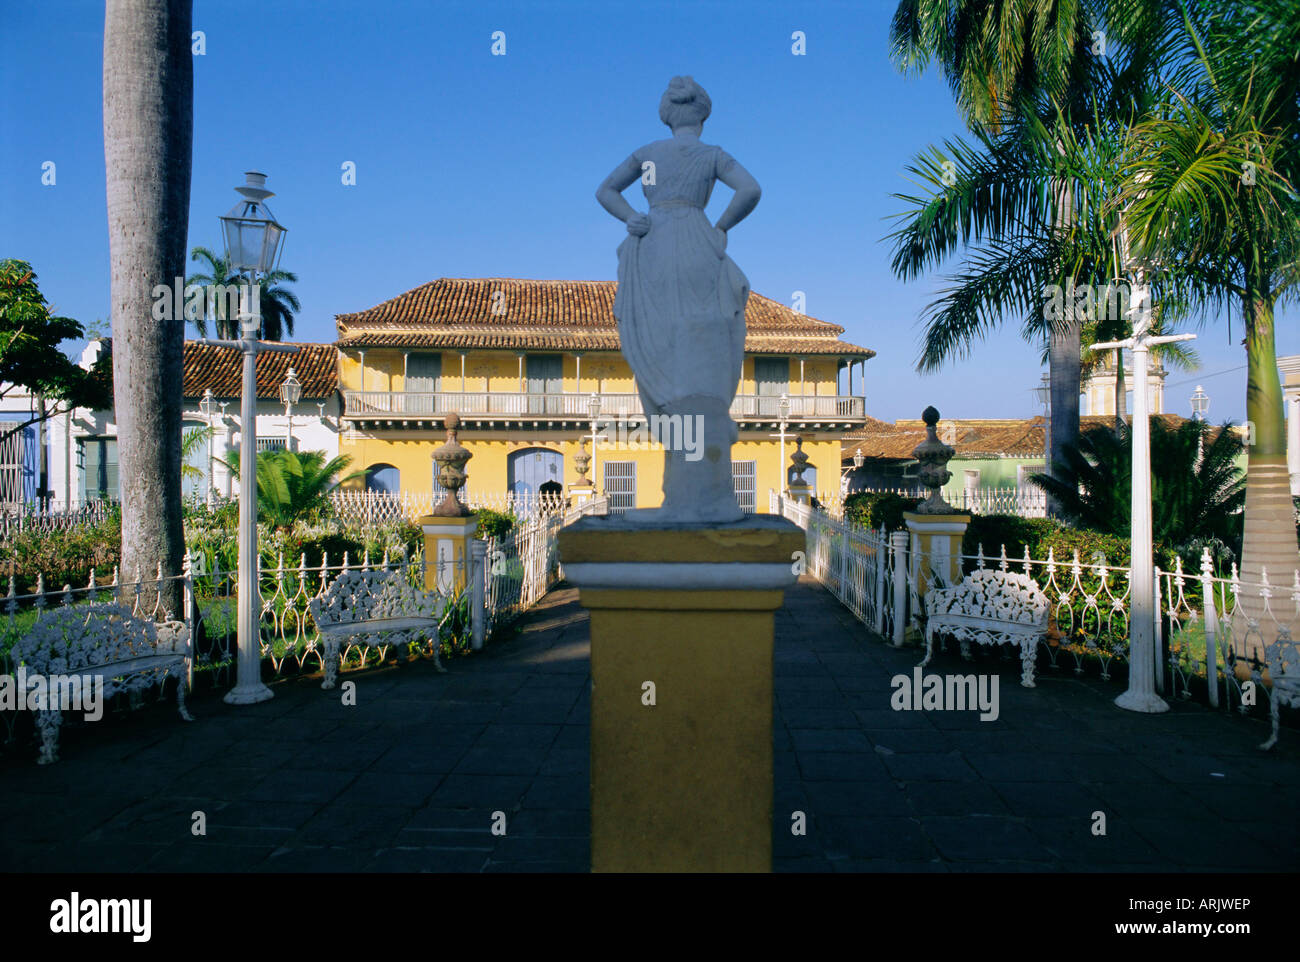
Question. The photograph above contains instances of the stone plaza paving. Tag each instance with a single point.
(408, 779)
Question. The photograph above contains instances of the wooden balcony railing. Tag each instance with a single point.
(384, 405)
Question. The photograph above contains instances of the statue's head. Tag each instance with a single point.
(684, 103)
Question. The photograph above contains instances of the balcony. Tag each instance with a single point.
(513, 406)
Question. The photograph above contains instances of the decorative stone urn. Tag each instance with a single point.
(581, 462)
(800, 462)
(933, 456)
(451, 457)
(798, 488)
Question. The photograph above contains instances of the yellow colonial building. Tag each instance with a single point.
(528, 365)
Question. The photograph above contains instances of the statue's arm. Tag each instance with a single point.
(610, 192)
(745, 198)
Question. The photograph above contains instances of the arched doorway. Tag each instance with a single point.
(383, 478)
(531, 471)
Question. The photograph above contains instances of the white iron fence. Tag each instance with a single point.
(44, 514)
(1024, 502)
(506, 575)
(520, 567)
(1213, 633)
(372, 507)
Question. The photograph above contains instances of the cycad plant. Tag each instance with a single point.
(1197, 488)
(293, 486)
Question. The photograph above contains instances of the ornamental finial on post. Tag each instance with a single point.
(451, 457)
(933, 456)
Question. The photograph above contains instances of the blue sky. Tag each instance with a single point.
(470, 164)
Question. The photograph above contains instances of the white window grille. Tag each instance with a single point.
(620, 484)
(744, 480)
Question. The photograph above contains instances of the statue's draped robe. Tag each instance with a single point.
(681, 300)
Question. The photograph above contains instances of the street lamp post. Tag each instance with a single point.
(783, 422)
(290, 394)
(593, 409)
(1044, 394)
(1200, 407)
(208, 405)
(1143, 669)
(253, 242)
(858, 460)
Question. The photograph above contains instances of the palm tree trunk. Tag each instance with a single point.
(1064, 371)
(148, 131)
(1269, 543)
(1064, 361)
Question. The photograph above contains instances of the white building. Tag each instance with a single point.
(1098, 389)
(80, 448)
(1289, 367)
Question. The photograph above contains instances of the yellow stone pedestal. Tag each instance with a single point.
(446, 550)
(936, 547)
(800, 493)
(681, 703)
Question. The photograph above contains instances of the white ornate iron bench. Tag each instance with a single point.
(99, 641)
(374, 608)
(990, 607)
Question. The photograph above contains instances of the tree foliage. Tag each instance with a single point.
(30, 358)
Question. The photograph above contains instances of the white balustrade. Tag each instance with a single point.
(428, 404)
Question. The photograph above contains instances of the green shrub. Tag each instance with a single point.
(1041, 535)
(875, 508)
(65, 556)
(494, 524)
(331, 547)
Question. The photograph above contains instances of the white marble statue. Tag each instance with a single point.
(681, 300)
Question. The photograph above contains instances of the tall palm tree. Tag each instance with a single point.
(998, 57)
(1218, 213)
(278, 303)
(148, 138)
(1007, 61)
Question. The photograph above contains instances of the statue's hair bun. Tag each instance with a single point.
(684, 102)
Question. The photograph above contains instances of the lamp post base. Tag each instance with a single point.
(1148, 702)
(248, 694)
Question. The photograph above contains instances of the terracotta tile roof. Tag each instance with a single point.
(976, 438)
(222, 370)
(882, 441)
(504, 312)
